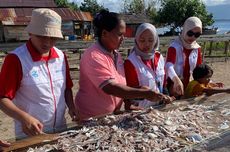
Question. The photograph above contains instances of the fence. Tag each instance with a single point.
(212, 46)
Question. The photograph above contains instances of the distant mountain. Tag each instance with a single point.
(220, 12)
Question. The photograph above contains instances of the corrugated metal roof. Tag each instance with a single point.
(68, 14)
(22, 16)
(15, 16)
(86, 16)
(27, 3)
(134, 18)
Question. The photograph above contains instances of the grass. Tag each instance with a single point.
(217, 49)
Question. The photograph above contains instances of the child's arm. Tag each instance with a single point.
(218, 85)
(210, 91)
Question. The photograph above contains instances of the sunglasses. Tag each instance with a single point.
(191, 33)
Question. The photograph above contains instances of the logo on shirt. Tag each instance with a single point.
(34, 74)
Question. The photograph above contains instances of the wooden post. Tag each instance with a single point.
(203, 50)
(216, 48)
(210, 49)
(80, 53)
(226, 49)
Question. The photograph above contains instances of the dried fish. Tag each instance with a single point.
(148, 130)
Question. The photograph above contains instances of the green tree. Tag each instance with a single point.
(173, 13)
(91, 6)
(145, 7)
(65, 3)
(61, 3)
(151, 10)
(136, 7)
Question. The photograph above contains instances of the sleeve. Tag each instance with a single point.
(171, 55)
(199, 59)
(170, 61)
(131, 74)
(197, 90)
(97, 68)
(10, 76)
(69, 82)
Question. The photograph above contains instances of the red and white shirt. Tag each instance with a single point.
(149, 73)
(36, 84)
(181, 62)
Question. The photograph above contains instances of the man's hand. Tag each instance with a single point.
(32, 126)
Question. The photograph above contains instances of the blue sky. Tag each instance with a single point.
(219, 8)
(216, 2)
(115, 5)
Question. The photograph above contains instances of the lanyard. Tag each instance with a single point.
(157, 81)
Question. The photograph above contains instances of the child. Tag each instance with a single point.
(201, 83)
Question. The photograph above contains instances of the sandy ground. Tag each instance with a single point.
(221, 74)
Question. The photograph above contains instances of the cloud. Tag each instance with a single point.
(112, 5)
(215, 2)
(116, 5)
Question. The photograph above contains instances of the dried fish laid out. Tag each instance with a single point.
(149, 130)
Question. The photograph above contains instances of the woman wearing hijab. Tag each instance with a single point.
(183, 55)
(145, 66)
(102, 85)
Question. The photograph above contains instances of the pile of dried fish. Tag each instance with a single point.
(148, 130)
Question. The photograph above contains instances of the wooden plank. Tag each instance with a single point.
(42, 139)
(20, 145)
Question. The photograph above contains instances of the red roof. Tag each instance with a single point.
(22, 16)
(27, 3)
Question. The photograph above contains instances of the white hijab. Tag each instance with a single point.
(189, 24)
(156, 43)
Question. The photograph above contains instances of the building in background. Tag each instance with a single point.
(132, 22)
(15, 15)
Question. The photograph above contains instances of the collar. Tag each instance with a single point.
(36, 56)
(115, 52)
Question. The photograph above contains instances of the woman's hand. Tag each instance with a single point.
(155, 97)
(31, 126)
(73, 115)
(3, 144)
(178, 87)
(167, 99)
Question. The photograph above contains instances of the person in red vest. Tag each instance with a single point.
(35, 82)
(183, 55)
(102, 84)
(145, 66)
